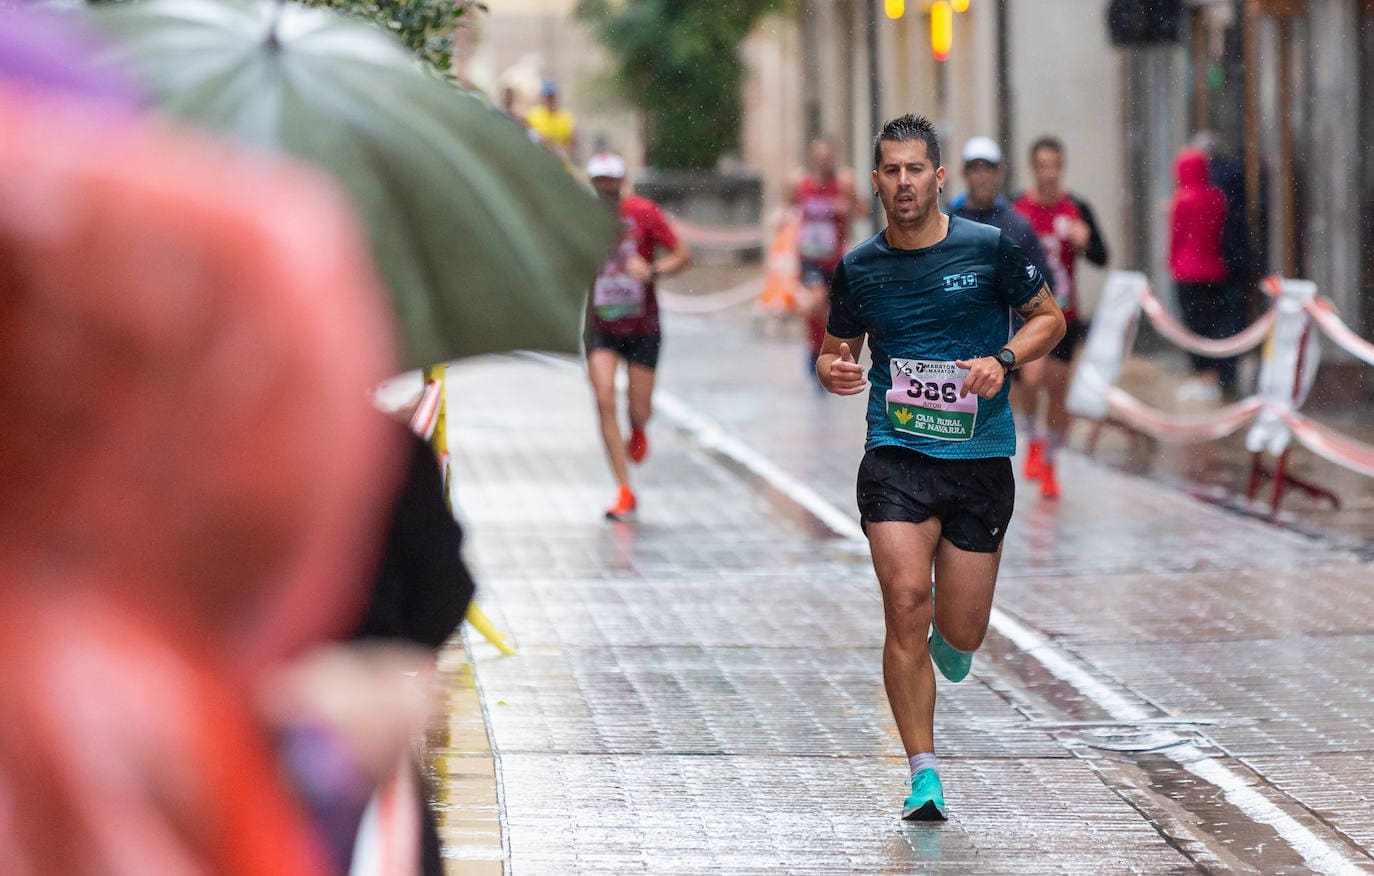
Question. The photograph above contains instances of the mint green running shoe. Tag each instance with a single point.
(952, 663)
(927, 799)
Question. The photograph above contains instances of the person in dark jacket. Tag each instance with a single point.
(421, 589)
(1197, 220)
(984, 174)
(1244, 265)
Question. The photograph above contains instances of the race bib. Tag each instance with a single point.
(617, 296)
(819, 239)
(924, 400)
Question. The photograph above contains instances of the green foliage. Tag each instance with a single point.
(678, 61)
(426, 26)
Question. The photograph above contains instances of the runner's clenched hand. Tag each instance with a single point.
(637, 268)
(846, 376)
(985, 376)
(1080, 234)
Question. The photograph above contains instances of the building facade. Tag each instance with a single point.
(1286, 87)
(1017, 70)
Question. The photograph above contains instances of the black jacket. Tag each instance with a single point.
(422, 589)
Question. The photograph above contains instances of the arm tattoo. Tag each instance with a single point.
(1030, 307)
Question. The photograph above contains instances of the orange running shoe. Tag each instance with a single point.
(624, 504)
(1049, 485)
(637, 446)
(1035, 460)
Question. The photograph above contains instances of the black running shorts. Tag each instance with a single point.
(1075, 333)
(972, 498)
(637, 349)
(813, 273)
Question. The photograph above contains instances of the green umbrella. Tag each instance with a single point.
(485, 240)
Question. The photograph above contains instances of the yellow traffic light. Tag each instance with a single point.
(941, 29)
(894, 8)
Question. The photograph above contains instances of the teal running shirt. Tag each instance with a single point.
(922, 310)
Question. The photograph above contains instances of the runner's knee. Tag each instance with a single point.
(907, 609)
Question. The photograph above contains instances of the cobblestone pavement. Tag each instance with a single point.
(1168, 687)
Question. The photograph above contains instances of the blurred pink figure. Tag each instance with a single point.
(188, 342)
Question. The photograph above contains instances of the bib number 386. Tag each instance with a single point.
(924, 400)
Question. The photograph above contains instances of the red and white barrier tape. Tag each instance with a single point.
(1181, 428)
(426, 411)
(1224, 348)
(387, 841)
(1323, 313)
(1342, 450)
(711, 302)
(738, 237)
(1331, 445)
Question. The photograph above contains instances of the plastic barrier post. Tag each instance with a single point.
(1286, 375)
(1257, 474)
(1110, 337)
(1093, 436)
(1280, 470)
(1281, 475)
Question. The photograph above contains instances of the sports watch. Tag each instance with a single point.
(1007, 359)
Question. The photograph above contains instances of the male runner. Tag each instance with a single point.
(935, 489)
(622, 322)
(1067, 228)
(825, 198)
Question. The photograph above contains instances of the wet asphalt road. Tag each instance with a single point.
(1167, 687)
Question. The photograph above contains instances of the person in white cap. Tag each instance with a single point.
(622, 320)
(982, 201)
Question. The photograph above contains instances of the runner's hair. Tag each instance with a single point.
(1050, 142)
(905, 129)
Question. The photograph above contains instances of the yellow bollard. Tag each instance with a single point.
(482, 624)
(439, 442)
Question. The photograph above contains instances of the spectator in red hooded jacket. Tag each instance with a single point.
(1197, 218)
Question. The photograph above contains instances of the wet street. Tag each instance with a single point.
(1167, 686)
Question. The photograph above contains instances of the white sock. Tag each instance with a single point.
(923, 761)
(1032, 430)
(1056, 441)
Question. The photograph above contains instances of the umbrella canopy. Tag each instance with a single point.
(486, 242)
